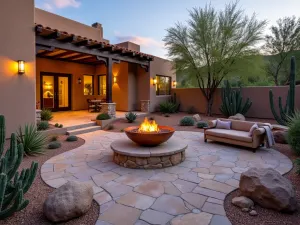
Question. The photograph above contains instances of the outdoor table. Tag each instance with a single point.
(97, 103)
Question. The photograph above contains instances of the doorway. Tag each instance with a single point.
(55, 91)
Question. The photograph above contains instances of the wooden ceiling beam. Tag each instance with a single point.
(71, 38)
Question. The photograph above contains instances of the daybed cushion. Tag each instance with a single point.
(230, 134)
(223, 124)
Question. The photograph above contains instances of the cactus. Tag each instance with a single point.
(232, 102)
(13, 185)
(289, 109)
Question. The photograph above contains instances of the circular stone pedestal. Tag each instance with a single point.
(130, 155)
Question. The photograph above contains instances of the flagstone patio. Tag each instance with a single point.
(192, 192)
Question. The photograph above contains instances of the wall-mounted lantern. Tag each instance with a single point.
(154, 81)
(115, 79)
(21, 67)
(79, 81)
(174, 83)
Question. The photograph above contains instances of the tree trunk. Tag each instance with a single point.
(209, 101)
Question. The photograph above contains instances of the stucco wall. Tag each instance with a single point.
(258, 95)
(163, 67)
(64, 24)
(132, 87)
(17, 92)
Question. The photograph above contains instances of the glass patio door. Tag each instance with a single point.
(55, 91)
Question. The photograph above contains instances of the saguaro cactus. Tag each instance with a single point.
(232, 102)
(289, 108)
(12, 184)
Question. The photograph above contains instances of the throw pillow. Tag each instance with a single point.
(223, 124)
(252, 129)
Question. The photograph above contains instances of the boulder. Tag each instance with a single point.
(280, 136)
(253, 213)
(71, 200)
(269, 189)
(242, 202)
(237, 116)
(197, 117)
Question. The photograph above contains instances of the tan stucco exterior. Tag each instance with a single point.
(17, 92)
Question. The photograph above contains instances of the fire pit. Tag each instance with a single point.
(149, 133)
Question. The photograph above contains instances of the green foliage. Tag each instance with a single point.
(187, 121)
(202, 124)
(53, 138)
(131, 117)
(46, 114)
(43, 125)
(297, 163)
(103, 116)
(72, 138)
(13, 185)
(33, 141)
(54, 145)
(60, 126)
(191, 110)
(232, 102)
(293, 136)
(167, 107)
(212, 45)
(56, 125)
(289, 109)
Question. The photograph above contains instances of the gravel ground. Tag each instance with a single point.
(267, 216)
(37, 194)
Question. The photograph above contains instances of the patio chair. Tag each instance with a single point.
(91, 105)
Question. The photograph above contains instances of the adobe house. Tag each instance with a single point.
(63, 63)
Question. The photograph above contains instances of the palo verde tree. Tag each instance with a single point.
(212, 43)
(281, 43)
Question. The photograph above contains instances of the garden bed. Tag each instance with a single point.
(267, 216)
(37, 194)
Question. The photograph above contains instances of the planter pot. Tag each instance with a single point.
(104, 123)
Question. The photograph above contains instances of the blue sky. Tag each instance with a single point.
(144, 22)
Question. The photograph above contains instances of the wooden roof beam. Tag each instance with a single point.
(53, 35)
(71, 38)
(83, 42)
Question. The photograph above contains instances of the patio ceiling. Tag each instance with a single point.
(60, 45)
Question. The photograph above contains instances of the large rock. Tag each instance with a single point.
(268, 188)
(197, 117)
(71, 200)
(237, 116)
(280, 136)
(242, 202)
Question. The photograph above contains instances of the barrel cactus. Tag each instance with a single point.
(232, 102)
(289, 109)
(13, 185)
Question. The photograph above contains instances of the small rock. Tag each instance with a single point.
(237, 116)
(197, 117)
(242, 202)
(253, 213)
(245, 209)
(196, 211)
(280, 136)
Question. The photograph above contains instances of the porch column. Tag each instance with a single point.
(109, 80)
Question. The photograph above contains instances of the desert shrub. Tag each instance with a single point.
(56, 125)
(187, 121)
(202, 124)
(297, 163)
(46, 114)
(33, 141)
(72, 138)
(53, 138)
(103, 116)
(191, 110)
(43, 125)
(293, 136)
(60, 126)
(167, 107)
(54, 145)
(131, 117)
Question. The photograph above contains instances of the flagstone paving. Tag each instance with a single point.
(192, 192)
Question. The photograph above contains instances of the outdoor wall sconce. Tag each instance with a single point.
(174, 83)
(154, 81)
(21, 67)
(115, 79)
(79, 81)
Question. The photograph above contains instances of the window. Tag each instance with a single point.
(88, 85)
(102, 85)
(163, 86)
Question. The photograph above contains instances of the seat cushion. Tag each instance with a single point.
(230, 134)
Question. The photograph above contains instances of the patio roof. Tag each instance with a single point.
(60, 45)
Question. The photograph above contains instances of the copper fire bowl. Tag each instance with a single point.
(149, 138)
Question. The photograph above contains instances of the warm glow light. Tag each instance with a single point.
(115, 79)
(148, 126)
(154, 81)
(174, 83)
(21, 66)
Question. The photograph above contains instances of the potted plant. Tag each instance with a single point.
(103, 119)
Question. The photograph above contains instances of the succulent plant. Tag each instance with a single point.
(131, 117)
(202, 124)
(54, 145)
(187, 121)
(103, 116)
(43, 125)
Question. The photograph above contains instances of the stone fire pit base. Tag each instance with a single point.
(130, 155)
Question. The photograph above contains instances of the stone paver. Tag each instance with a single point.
(191, 191)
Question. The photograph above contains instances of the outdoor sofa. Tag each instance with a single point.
(238, 134)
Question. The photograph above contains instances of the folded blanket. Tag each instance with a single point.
(269, 137)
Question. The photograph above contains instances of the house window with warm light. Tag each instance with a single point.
(88, 85)
(163, 86)
(102, 84)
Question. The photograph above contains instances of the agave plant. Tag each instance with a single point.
(293, 136)
(33, 141)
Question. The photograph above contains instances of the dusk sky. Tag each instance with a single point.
(144, 22)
